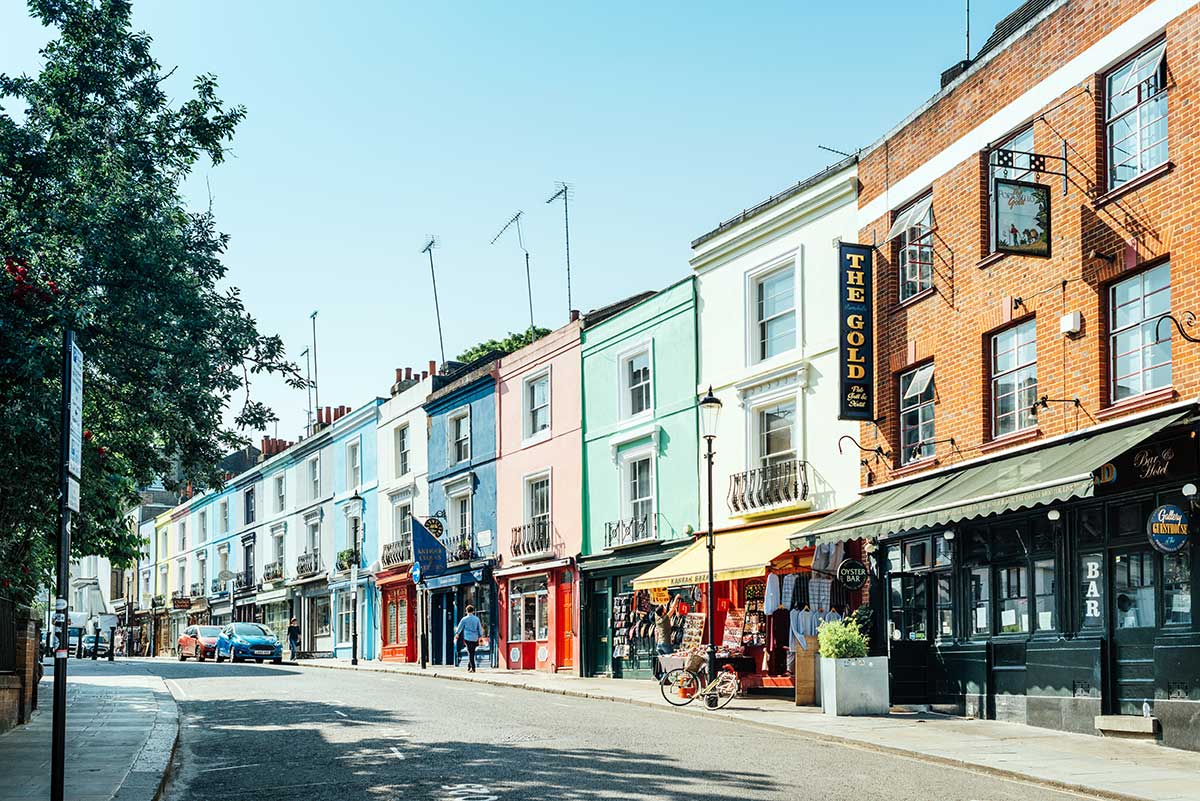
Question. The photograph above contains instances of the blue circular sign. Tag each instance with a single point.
(416, 573)
(1167, 528)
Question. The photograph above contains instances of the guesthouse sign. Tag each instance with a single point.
(1167, 528)
(856, 385)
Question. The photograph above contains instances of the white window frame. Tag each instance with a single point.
(183, 582)
(401, 454)
(452, 420)
(755, 324)
(344, 616)
(914, 228)
(1153, 55)
(528, 435)
(625, 386)
(527, 484)
(759, 447)
(454, 516)
(249, 498)
(626, 500)
(182, 535)
(402, 520)
(202, 527)
(312, 534)
(280, 492)
(1143, 322)
(312, 476)
(354, 463)
(224, 517)
(278, 544)
(1019, 171)
(1021, 413)
(927, 380)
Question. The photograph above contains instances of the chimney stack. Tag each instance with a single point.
(399, 372)
(574, 315)
(328, 415)
(432, 367)
(408, 374)
(424, 374)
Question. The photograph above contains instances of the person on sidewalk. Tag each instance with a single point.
(471, 631)
(293, 636)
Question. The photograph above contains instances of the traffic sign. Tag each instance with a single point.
(74, 462)
(73, 493)
(416, 573)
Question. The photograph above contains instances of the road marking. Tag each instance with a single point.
(487, 695)
(178, 689)
(396, 753)
(231, 767)
(340, 712)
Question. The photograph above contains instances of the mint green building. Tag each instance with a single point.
(640, 454)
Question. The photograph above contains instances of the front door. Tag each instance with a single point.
(565, 646)
(909, 604)
(1134, 620)
(600, 637)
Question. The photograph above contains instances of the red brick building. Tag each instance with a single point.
(1034, 225)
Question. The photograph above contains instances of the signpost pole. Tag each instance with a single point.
(69, 453)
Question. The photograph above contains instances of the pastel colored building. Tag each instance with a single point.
(539, 501)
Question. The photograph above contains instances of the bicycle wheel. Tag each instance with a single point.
(680, 686)
(726, 688)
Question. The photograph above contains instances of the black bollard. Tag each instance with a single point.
(96, 642)
(112, 640)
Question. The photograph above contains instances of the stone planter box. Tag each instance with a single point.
(854, 686)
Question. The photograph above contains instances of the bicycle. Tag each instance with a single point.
(681, 686)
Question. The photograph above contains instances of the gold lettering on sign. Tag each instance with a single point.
(1153, 465)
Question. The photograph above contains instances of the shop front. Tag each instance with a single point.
(199, 613)
(398, 614)
(274, 609)
(1050, 587)
(607, 595)
(342, 597)
(538, 633)
(448, 597)
(221, 611)
(177, 621)
(312, 606)
(158, 639)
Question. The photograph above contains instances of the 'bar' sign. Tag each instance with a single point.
(856, 329)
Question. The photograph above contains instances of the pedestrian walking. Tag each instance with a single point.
(293, 636)
(470, 631)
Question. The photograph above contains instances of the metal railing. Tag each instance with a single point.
(459, 548)
(532, 540)
(179, 594)
(273, 571)
(628, 532)
(346, 559)
(397, 553)
(308, 564)
(198, 589)
(158, 601)
(219, 587)
(244, 580)
(776, 486)
(8, 636)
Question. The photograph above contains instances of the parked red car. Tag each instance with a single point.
(199, 642)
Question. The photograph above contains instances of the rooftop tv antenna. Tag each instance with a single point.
(516, 220)
(564, 191)
(308, 417)
(315, 387)
(429, 247)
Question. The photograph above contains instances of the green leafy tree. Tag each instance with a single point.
(96, 237)
(510, 344)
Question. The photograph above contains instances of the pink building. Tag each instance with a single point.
(539, 503)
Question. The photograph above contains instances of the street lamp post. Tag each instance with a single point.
(362, 522)
(710, 413)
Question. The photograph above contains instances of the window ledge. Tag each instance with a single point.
(992, 259)
(536, 439)
(1008, 440)
(1133, 185)
(1137, 403)
(916, 467)
(917, 298)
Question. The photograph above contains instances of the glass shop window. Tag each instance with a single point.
(1091, 591)
(1043, 594)
(916, 554)
(945, 606)
(981, 604)
(908, 605)
(1177, 589)
(1133, 588)
(942, 555)
(1013, 592)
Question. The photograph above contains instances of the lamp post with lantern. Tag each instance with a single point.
(710, 413)
(355, 557)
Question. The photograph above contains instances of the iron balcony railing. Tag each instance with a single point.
(273, 571)
(158, 601)
(346, 559)
(397, 553)
(776, 486)
(309, 564)
(619, 533)
(218, 587)
(244, 580)
(179, 594)
(532, 540)
(459, 548)
(198, 589)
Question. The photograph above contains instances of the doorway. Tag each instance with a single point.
(1133, 623)
(441, 628)
(565, 646)
(600, 642)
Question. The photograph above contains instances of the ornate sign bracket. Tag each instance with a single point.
(1189, 321)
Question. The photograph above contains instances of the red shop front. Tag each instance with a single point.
(538, 627)
(398, 611)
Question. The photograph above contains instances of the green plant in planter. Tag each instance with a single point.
(841, 639)
(345, 559)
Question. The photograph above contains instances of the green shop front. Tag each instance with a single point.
(1050, 586)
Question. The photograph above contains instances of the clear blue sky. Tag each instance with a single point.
(374, 123)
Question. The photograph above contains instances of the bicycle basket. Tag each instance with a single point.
(695, 662)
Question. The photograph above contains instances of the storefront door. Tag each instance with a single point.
(599, 612)
(909, 608)
(1134, 622)
(566, 620)
(441, 628)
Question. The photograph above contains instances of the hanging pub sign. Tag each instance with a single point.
(856, 323)
(1167, 528)
(852, 574)
(1022, 217)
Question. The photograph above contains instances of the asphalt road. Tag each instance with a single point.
(283, 733)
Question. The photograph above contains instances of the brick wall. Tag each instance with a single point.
(975, 294)
(18, 689)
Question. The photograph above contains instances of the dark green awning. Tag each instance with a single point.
(1048, 475)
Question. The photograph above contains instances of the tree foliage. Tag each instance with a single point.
(510, 344)
(96, 237)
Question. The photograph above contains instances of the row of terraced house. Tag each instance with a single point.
(1031, 409)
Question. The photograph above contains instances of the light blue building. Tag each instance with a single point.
(462, 497)
(355, 477)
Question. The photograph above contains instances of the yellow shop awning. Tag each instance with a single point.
(736, 555)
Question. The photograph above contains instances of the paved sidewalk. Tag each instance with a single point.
(1112, 768)
(121, 729)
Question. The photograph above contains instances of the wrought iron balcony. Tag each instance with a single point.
(219, 587)
(309, 564)
(532, 540)
(198, 589)
(346, 559)
(179, 594)
(273, 571)
(633, 531)
(158, 601)
(459, 548)
(244, 581)
(776, 487)
(397, 553)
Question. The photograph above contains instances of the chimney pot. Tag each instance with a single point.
(328, 415)
(432, 367)
(407, 373)
(399, 372)
(574, 315)
(424, 374)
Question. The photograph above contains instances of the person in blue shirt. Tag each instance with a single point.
(471, 631)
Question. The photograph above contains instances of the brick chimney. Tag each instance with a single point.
(432, 368)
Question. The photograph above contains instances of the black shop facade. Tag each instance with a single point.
(1050, 586)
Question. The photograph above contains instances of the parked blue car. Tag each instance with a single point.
(239, 641)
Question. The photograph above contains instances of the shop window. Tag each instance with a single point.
(981, 605)
(392, 628)
(944, 604)
(894, 556)
(1133, 588)
(942, 551)
(1091, 525)
(916, 414)
(775, 313)
(636, 392)
(343, 617)
(401, 624)
(321, 621)
(1177, 589)
(1013, 595)
(913, 231)
(1140, 361)
(1136, 115)
(1044, 595)
(1014, 379)
(909, 608)
(916, 554)
(1022, 145)
(776, 444)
